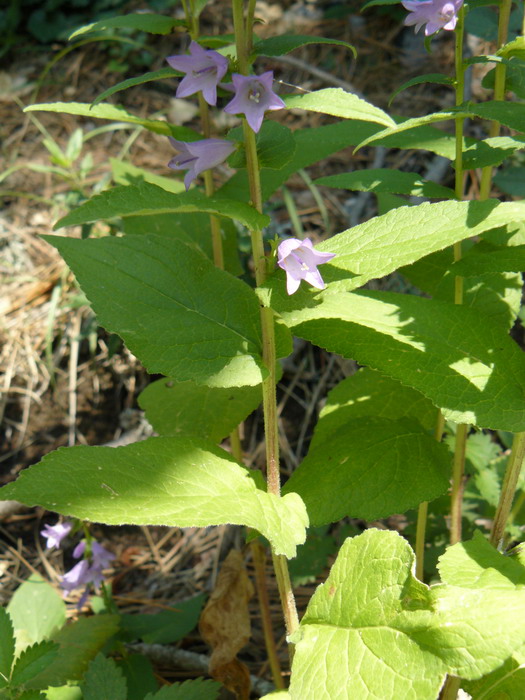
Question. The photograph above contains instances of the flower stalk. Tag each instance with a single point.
(508, 490)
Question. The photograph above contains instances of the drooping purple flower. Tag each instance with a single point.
(198, 156)
(299, 260)
(89, 571)
(204, 70)
(56, 533)
(436, 14)
(253, 97)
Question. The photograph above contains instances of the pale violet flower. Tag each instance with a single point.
(89, 571)
(299, 260)
(253, 97)
(198, 156)
(56, 533)
(436, 14)
(204, 69)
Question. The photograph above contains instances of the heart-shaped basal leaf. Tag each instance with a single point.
(368, 463)
(174, 309)
(465, 365)
(182, 482)
(186, 408)
(374, 631)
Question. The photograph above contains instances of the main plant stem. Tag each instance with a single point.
(508, 489)
(268, 331)
(499, 91)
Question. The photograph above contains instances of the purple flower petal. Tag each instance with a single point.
(198, 156)
(204, 70)
(435, 14)
(56, 533)
(299, 260)
(78, 576)
(254, 96)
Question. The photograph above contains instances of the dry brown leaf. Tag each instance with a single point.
(225, 625)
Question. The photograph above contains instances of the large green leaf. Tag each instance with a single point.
(381, 245)
(166, 626)
(143, 21)
(339, 103)
(385, 180)
(32, 662)
(117, 114)
(183, 482)
(368, 393)
(37, 611)
(368, 463)
(491, 151)
(284, 43)
(186, 408)
(467, 367)
(175, 310)
(147, 199)
(486, 259)
(505, 683)
(275, 146)
(79, 642)
(511, 181)
(374, 631)
(104, 681)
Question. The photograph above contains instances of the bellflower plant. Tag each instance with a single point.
(299, 260)
(436, 14)
(429, 360)
(198, 156)
(254, 96)
(204, 70)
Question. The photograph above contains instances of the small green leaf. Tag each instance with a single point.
(79, 642)
(7, 646)
(339, 103)
(104, 681)
(491, 151)
(385, 180)
(275, 146)
(175, 310)
(513, 48)
(284, 43)
(167, 626)
(186, 408)
(143, 21)
(511, 180)
(197, 689)
(436, 78)
(114, 113)
(161, 74)
(368, 464)
(139, 674)
(31, 662)
(37, 611)
(145, 199)
(183, 482)
(128, 174)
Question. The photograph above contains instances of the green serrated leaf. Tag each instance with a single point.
(385, 180)
(447, 352)
(37, 611)
(31, 662)
(161, 74)
(339, 103)
(114, 113)
(183, 482)
(139, 674)
(368, 464)
(186, 408)
(275, 146)
(371, 610)
(146, 199)
(435, 78)
(79, 642)
(7, 646)
(104, 681)
(284, 43)
(167, 626)
(143, 21)
(175, 310)
(197, 689)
